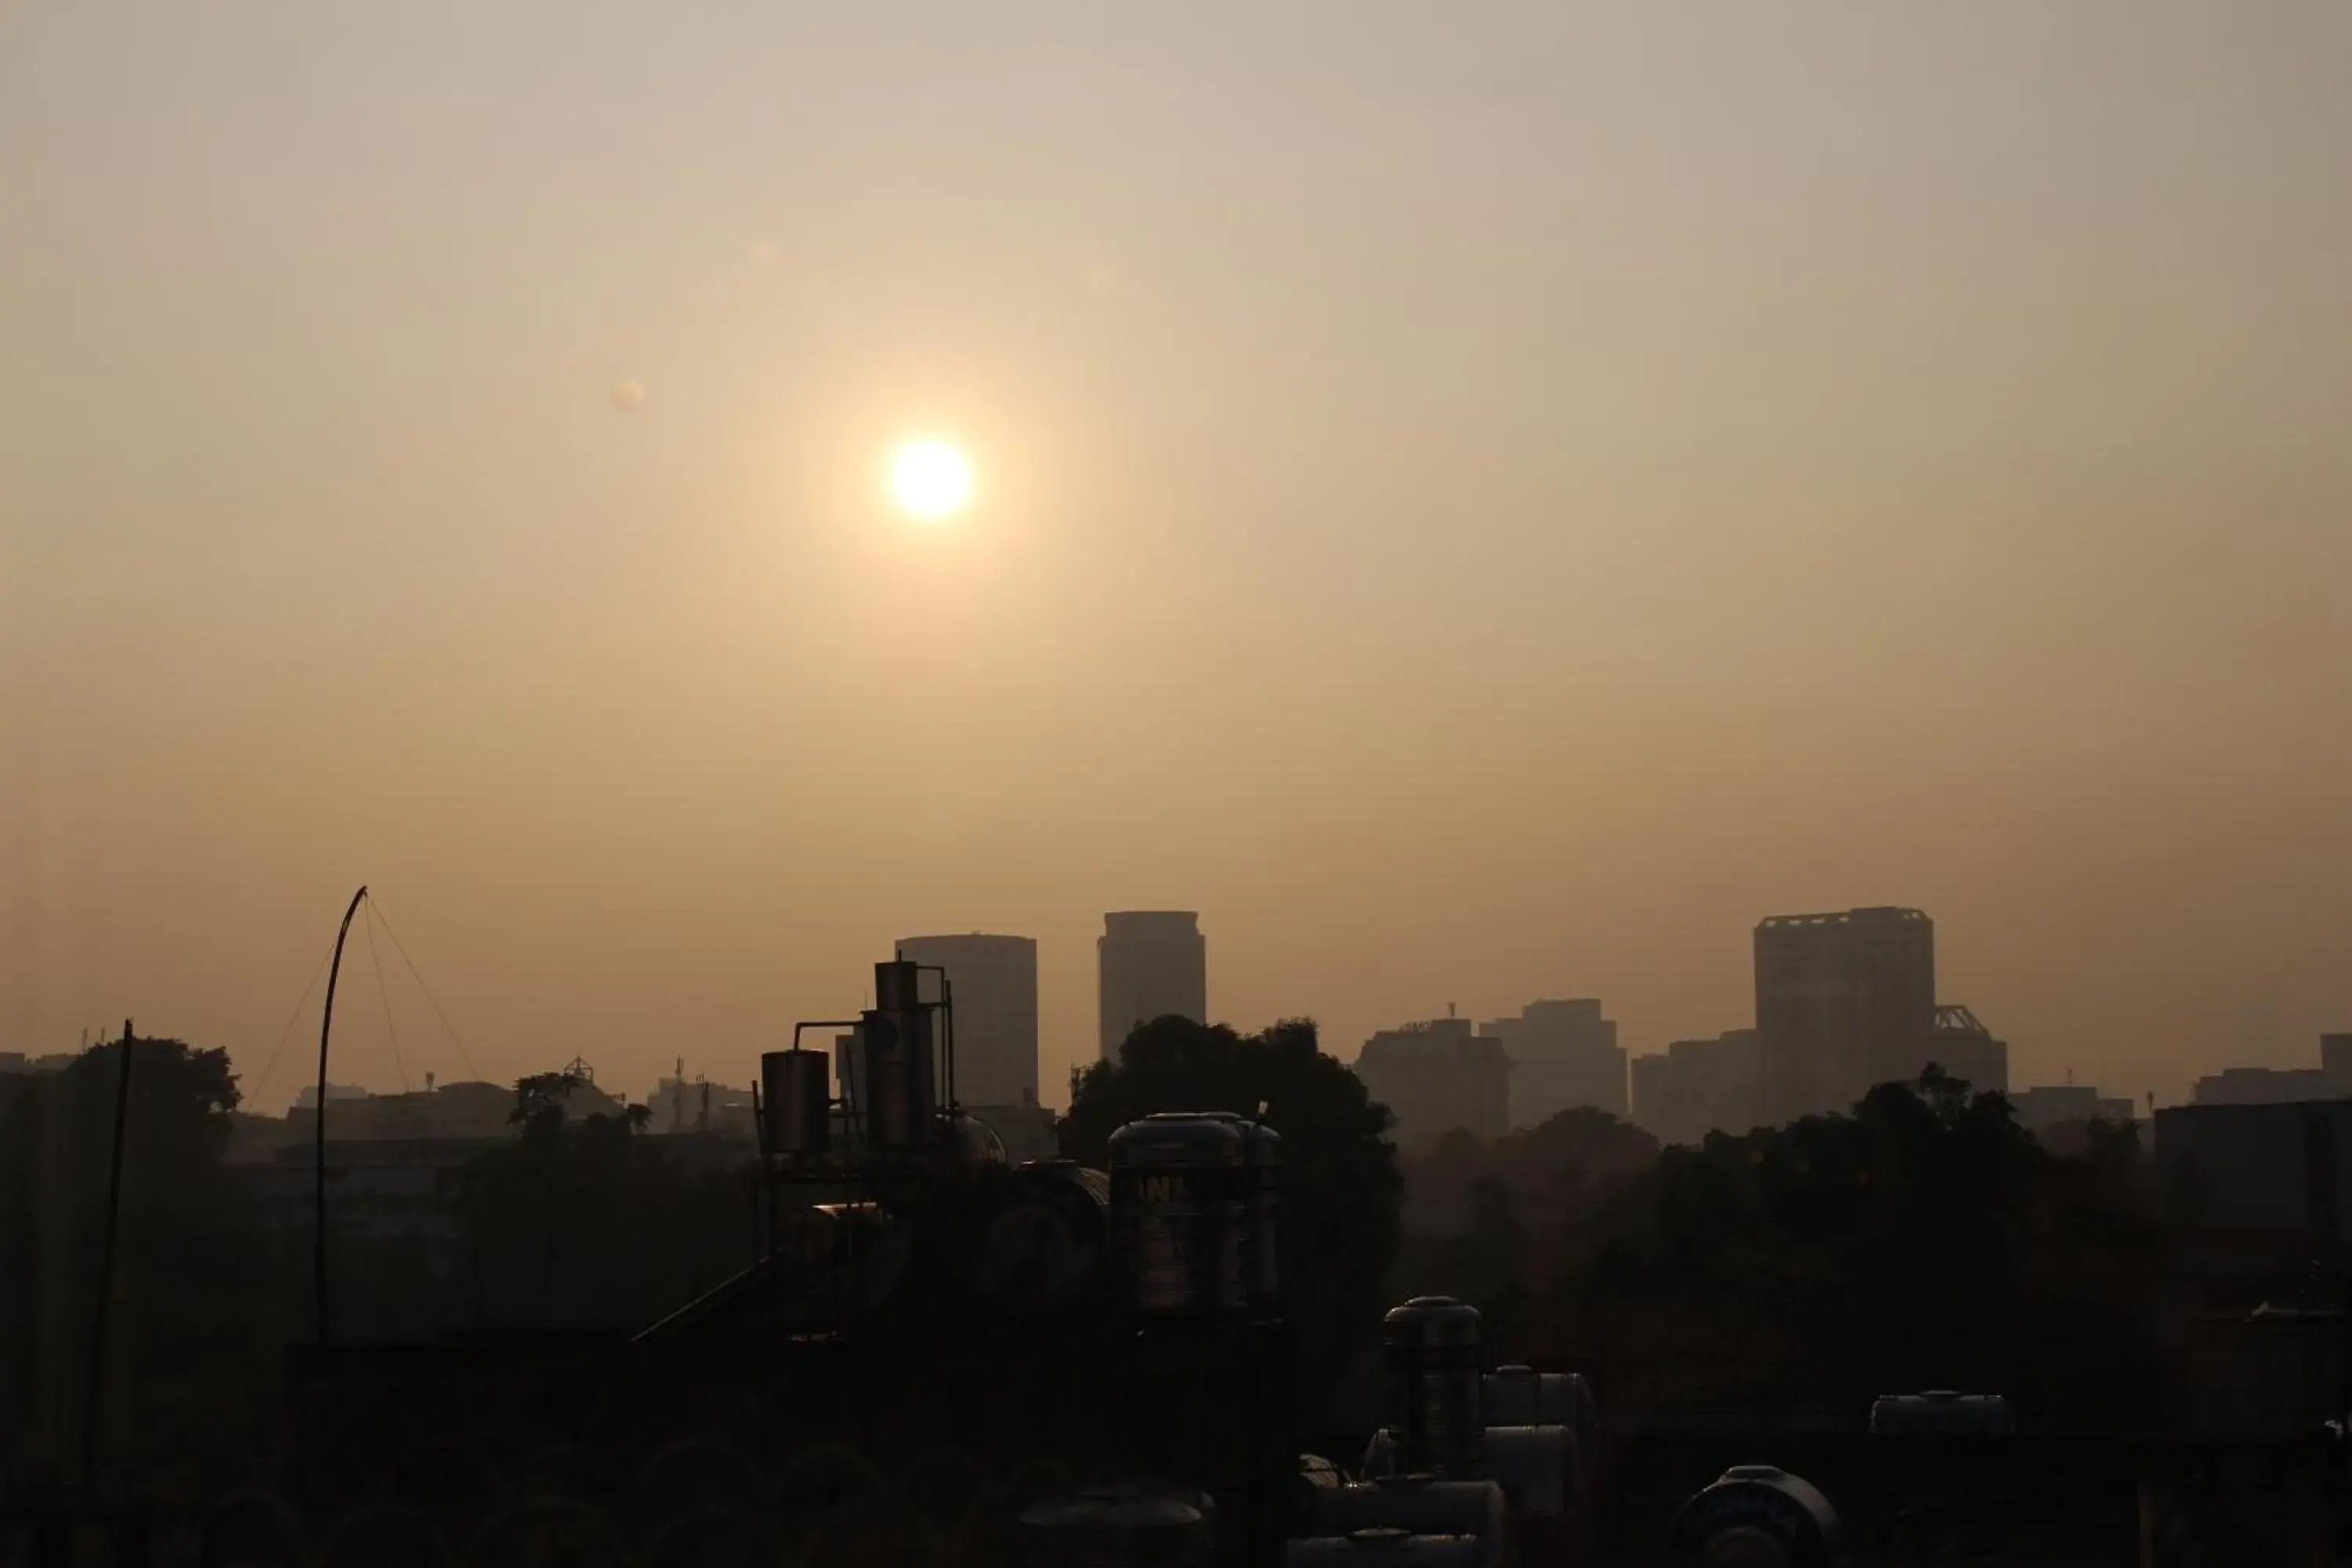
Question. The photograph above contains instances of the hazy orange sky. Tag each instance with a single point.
(1481, 502)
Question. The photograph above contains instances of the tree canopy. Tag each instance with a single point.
(1925, 1240)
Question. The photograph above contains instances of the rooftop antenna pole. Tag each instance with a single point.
(326, 1026)
(106, 1264)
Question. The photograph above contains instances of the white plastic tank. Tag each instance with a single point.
(1536, 1467)
(1521, 1396)
(1941, 1413)
(1422, 1504)
(1117, 1527)
(1382, 1548)
(1756, 1516)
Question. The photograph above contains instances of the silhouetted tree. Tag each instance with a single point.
(196, 1311)
(1341, 1191)
(1925, 1240)
(583, 1223)
(542, 1100)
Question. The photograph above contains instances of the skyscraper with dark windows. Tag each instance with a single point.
(995, 988)
(1843, 1000)
(1563, 1055)
(1152, 963)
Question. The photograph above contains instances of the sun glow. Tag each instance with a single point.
(930, 479)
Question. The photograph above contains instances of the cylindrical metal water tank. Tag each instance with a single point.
(1262, 1191)
(795, 1102)
(1756, 1516)
(1039, 1236)
(897, 985)
(896, 1083)
(1263, 1146)
(1315, 1474)
(1535, 1465)
(1941, 1413)
(973, 1143)
(1434, 1408)
(1380, 1547)
(1116, 1527)
(1521, 1396)
(1177, 1213)
(1424, 1505)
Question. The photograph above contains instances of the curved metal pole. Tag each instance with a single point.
(89, 1411)
(325, 1024)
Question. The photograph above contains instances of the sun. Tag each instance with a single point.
(930, 479)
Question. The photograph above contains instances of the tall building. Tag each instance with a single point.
(2056, 1104)
(995, 984)
(2274, 1166)
(1563, 1054)
(1436, 1077)
(1153, 963)
(1693, 1088)
(2265, 1085)
(1843, 1002)
(1967, 1051)
(2335, 1059)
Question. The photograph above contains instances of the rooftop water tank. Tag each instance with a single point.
(1941, 1413)
(1178, 1213)
(1521, 1396)
(1116, 1527)
(1425, 1505)
(1379, 1548)
(1535, 1465)
(1315, 1474)
(899, 1085)
(1434, 1405)
(1755, 1516)
(1263, 1149)
(1038, 1239)
(795, 1102)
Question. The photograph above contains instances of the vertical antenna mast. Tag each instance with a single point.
(326, 1026)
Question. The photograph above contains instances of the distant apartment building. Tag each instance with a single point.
(2059, 1104)
(696, 1106)
(2274, 1166)
(444, 1112)
(2266, 1085)
(1436, 1077)
(1563, 1055)
(308, 1097)
(1843, 1000)
(1151, 963)
(1693, 1088)
(994, 981)
(2336, 1059)
(1967, 1051)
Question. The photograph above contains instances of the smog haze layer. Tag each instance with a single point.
(1483, 504)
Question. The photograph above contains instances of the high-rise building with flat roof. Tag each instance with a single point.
(1438, 1076)
(995, 984)
(1563, 1055)
(2336, 1059)
(1693, 1088)
(1843, 1002)
(1153, 963)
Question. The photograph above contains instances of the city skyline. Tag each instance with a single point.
(364, 1058)
(1480, 506)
